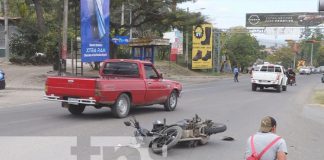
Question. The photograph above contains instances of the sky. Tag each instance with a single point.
(230, 13)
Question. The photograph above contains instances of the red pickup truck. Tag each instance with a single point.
(122, 83)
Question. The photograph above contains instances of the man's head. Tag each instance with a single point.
(268, 124)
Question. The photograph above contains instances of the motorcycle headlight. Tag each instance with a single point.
(157, 124)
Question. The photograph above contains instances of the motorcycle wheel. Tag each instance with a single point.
(171, 138)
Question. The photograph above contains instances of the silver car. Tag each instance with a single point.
(305, 70)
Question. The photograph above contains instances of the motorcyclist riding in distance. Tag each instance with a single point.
(291, 74)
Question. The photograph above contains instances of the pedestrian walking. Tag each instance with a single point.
(236, 73)
(265, 144)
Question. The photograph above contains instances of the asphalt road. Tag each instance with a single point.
(44, 130)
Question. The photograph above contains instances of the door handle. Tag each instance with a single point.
(149, 83)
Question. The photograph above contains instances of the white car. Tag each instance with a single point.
(317, 70)
(305, 70)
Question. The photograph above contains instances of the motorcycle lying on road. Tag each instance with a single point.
(190, 131)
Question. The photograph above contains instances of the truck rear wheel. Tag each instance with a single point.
(76, 109)
(278, 88)
(2, 84)
(284, 88)
(122, 106)
(171, 102)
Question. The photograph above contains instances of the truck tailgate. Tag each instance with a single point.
(71, 86)
(268, 76)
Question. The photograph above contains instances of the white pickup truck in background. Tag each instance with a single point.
(269, 75)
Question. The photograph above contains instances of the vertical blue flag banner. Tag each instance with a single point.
(94, 30)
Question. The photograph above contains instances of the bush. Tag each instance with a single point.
(24, 46)
(21, 48)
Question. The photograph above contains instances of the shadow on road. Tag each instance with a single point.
(105, 113)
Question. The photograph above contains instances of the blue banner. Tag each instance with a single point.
(94, 30)
(120, 40)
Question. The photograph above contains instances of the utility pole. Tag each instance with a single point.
(64, 36)
(130, 24)
(218, 51)
(6, 31)
(294, 47)
(312, 50)
(187, 43)
(311, 61)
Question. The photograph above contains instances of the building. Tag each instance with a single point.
(12, 30)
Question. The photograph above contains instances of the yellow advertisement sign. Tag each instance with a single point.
(301, 63)
(202, 45)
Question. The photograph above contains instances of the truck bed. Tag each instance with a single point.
(71, 86)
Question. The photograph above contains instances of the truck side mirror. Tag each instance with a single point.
(161, 75)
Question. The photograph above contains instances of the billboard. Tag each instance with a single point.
(202, 45)
(176, 40)
(120, 40)
(94, 30)
(296, 19)
(178, 43)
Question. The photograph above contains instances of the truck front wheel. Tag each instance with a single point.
(122, 106)
(171, 102)
(76, 109)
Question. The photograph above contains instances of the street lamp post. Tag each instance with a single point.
(312, 49)
(294, 60)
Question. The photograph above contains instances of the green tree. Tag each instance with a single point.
(242, 48)
(150, 18)
(36, 35)
(320, 56)
(283, 56)
(40, 15)
(41, 22)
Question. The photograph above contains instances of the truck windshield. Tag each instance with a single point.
(121, 69)
(150, 72)
(278, 69)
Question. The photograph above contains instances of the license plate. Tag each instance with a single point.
(73, 101)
